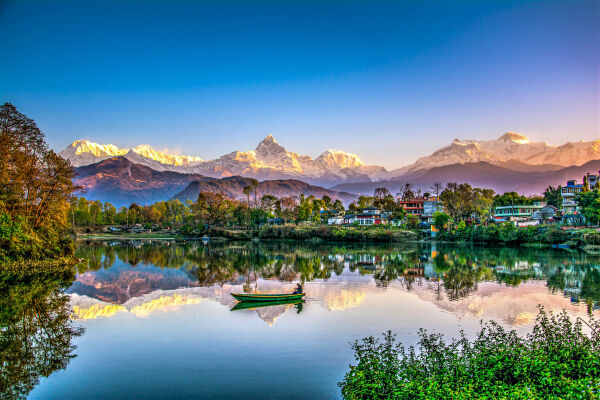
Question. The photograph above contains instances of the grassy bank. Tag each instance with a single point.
(537, 236)
(325, 233)
(127, 235)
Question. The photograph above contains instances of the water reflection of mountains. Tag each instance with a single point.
(118, 271)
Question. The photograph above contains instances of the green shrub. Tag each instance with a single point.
(557, 360)
(592, 238)
(555, 236)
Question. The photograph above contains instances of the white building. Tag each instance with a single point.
(568, 194)
(336, 220)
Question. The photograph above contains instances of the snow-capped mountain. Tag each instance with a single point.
(510, 147)
(270, 160)
(84, 152)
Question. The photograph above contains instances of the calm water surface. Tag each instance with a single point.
(158, 323)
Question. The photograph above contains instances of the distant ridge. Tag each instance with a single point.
(481, 174)
(122, 182)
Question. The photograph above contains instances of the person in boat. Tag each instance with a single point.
(298, 289)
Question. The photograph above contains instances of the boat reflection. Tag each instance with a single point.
(251, 305)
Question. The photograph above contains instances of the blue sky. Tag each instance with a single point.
(390, 81)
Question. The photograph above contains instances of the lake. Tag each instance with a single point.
(153, 319)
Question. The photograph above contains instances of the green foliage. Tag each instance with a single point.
(508, 233)
(509, 199)
(36, 192)
(441, 220)
(589, 203)
(552, 196)
(557, 360)
(463, 201)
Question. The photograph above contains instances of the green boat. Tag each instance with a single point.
(245, 305)
(266, 296)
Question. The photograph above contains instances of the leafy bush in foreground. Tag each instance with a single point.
(557, 360)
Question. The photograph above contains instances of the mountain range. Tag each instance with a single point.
(143, 174)
(270, 160)
(122, 182)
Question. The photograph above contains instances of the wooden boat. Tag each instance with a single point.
(245, 305)
(266, 296)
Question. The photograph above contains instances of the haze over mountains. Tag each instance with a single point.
(122, 182)
(511, 162)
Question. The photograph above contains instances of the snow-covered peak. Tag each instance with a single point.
(84, 152)
(85, 146)
(514, 137)
(340, 159)
(146, 151)
(509, 146)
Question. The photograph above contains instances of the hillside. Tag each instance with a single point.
(122, 182)
(233, 187)
(481, 174)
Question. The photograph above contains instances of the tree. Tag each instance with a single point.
(587, 202)
(592, 212)
(254, 184)
(381, 193)
(268, 203)
(406, 192)
(36, 184)
(338, 206)
(213, 208)
(305, 209)
(553, 196)
(365, 201)
(437, 188)
(326, 202)
(412, 220)
(289, 208)
(247, 190)
(510, 199)
(441, 220)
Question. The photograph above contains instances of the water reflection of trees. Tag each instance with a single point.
(36, 329)
(457, 269)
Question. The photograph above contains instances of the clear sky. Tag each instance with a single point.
(390, 81)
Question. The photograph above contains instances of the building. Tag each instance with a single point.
(518, 212)
(572, 188)
(335, 220)
(568, 194)
(430, 207)
(367, 216)
(423, 208)
(368, 219)
(349, 219)
(371, 211)
(547, 213)
(413, 206)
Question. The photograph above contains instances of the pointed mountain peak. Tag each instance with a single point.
(268, 140)
(514, 137)
(269, 145)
